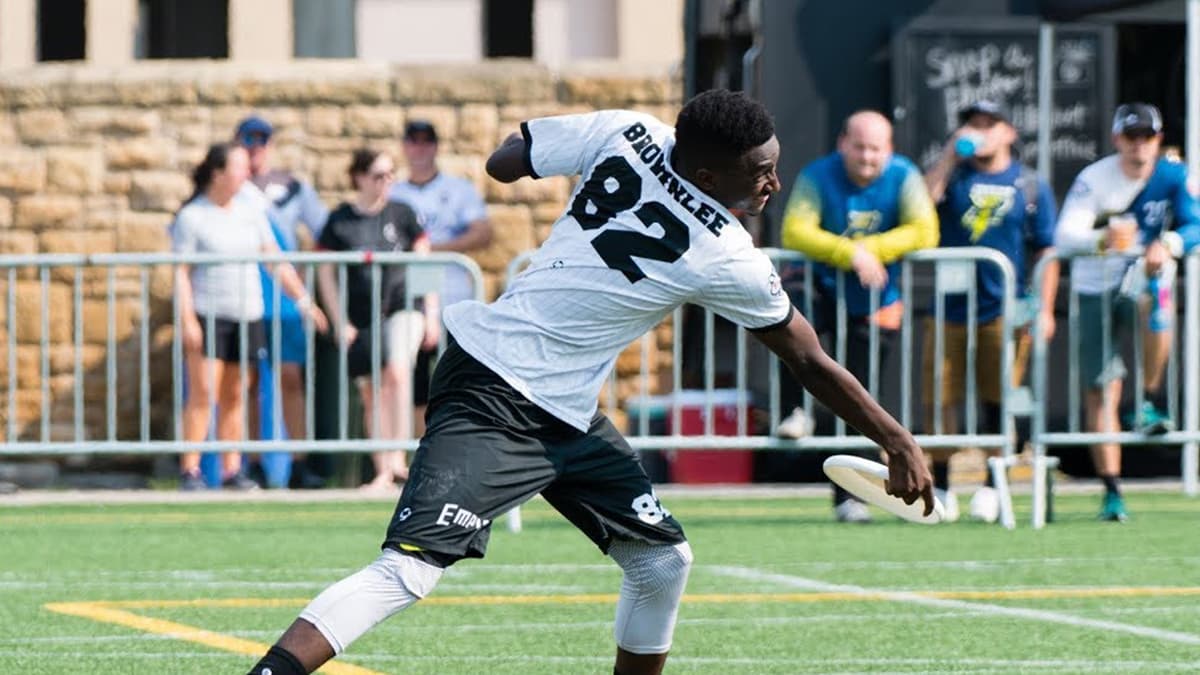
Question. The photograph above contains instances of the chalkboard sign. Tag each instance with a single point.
(940, 65)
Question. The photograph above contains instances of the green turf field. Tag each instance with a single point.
(777, 588)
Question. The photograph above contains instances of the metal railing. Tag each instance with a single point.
(1042, 435)
(113, 383)
(953, 272)
(132, 296)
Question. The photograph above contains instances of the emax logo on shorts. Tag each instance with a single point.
(453, 515)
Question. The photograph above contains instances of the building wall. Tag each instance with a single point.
(95, 160)
(399, 31)
(417, 31)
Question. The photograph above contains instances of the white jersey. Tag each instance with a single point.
(637, 241)
(447, 206)
(1100, 189)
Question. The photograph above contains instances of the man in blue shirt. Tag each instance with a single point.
(1130, 206)
(985, 198)
(859, 209)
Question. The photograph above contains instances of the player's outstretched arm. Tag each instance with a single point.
(507, 163)
(797, 345)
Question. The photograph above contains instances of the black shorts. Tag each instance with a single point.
(226, 339)
(421, 376)
(488, 449)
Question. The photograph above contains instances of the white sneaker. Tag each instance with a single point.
(949, 503)
(796, 425)
(852, 511)
(985, 505)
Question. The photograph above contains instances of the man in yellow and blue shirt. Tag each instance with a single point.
(859, 209)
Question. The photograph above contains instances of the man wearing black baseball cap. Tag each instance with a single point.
(1134, 206)
(454, 216)
(985, 197)
(1138, 119)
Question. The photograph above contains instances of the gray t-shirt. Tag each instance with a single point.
(231, 290)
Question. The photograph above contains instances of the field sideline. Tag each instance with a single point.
(201, 586)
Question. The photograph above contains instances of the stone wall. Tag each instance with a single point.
(95, 160)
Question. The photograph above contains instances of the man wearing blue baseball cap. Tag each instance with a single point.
(289, 202)
(985, 197)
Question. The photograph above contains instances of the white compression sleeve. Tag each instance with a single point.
(650, 592)
(354, 605)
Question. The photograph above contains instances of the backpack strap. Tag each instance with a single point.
(1027, 183)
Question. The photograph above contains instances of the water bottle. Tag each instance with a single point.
(1160, 305)
(967, 144)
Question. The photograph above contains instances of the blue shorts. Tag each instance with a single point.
(292, 345)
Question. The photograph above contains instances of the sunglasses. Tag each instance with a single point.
(254, 140)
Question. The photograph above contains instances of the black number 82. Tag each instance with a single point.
(615, 187)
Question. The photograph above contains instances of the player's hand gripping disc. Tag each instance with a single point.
(864, 479)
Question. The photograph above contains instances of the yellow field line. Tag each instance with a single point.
(106, 612)
(698, 598)
(115, 611)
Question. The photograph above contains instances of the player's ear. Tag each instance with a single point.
(705, 179)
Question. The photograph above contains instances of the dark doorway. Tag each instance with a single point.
(61, 32)
(184, 29)
(1151, 60)
(508, 29)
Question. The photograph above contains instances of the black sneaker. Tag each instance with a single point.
(192, 482)
(240, 482)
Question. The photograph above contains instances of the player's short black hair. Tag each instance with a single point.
(721, 124)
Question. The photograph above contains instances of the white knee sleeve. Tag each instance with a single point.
(352, 606)
(650, 593)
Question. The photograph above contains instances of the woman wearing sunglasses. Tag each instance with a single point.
(372, 222)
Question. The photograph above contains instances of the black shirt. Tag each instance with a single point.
(395, 228)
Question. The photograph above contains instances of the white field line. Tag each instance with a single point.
(475, 569)
(1054, 665)
(789, 581)
(401, 627)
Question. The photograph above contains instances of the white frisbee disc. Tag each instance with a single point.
(865, 479)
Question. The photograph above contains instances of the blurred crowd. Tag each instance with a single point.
(856, 213)
(244, 206)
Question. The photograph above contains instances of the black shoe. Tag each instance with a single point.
(305, 479)
(192, 482)
(239, 482)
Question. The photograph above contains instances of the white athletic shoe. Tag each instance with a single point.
(985, 505)
(796, 425)
(852, 511)
(949, 503)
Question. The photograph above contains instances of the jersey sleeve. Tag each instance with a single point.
(802, 229)
(183, 232)
(747, 291)
(565, 145)
(1075, 232)
(1185, 228)
(328, 239)
(266, 232)
(312, 210)
(918, 227)
(1041, 234)
(410, 222)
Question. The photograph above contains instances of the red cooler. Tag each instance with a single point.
(710, 466)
